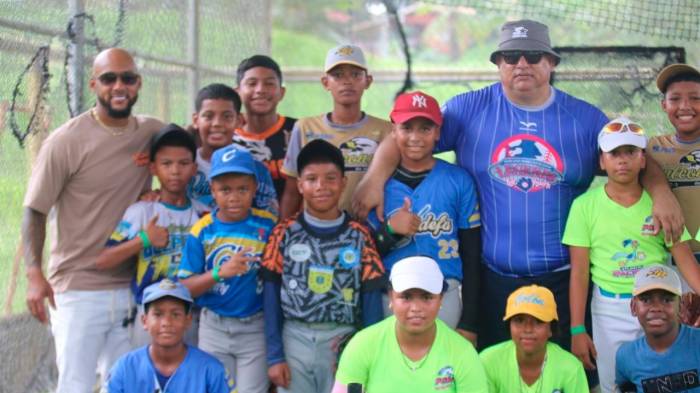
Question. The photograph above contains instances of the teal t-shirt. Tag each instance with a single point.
(619, 238)
(373, 358)
(562, 372)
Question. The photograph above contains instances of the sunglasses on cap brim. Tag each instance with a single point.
(619, 126)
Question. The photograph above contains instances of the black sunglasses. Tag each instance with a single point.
(513, 57)
(127, 78)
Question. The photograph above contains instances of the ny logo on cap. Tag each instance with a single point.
(419, 101)
(519, 32)
(229, 155)
(345, 51)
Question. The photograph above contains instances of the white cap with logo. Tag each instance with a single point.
(657, 277)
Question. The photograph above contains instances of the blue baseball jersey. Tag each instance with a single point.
(213, 242)
(529, 164)
(199, 372)
(199, 188)
(445, 201)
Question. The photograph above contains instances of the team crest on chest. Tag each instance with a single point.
(320, 279)
(526, 163)
(434, 225)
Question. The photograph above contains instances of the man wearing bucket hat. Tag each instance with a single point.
(528, 358)
(531, 149)
(667, 357)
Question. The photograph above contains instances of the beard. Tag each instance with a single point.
(118, 113)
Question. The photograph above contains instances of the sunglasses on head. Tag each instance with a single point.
(128, 78)
(623, 126)
(513, 57)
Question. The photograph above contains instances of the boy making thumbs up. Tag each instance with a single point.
(153, 234)
(431, 210)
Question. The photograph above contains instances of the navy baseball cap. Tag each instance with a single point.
(231, 159)
(165, 288)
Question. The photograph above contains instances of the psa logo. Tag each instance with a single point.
(445, 378)
(526, 163)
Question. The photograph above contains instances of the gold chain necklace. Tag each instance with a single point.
(114, 131)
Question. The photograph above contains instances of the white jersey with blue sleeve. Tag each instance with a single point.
(446, 202)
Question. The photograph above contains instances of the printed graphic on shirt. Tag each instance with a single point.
(681, 381)
(445, 378)
(627, 257)
(686, 173)
(526, 163)
(357, 153)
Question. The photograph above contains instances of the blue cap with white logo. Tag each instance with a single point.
(231, 159)
(165, 288)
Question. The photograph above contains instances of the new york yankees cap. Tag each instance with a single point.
(416, 104)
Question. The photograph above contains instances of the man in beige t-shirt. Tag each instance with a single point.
(86, 174)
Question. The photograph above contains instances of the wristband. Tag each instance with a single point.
(578, 329)
(215, 273)
(390, 229)
(144, 239)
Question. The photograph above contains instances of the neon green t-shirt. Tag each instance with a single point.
(562, 372)
(619, 238)
(373, 358)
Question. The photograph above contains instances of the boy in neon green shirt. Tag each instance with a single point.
(610, 234)
(528, 360)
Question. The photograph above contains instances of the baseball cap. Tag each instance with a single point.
(172, 135)
(671, 71)
(417, 272)
(231, 159)
(417, 104)
(620, 132)
(319, 150)
(164, 288)
(345, 54)
(532, 300)
(657, 277)
(524, 35)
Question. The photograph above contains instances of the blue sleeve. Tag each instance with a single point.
(620, 363)
(455, 114)
(265, 196)
(192, 258)
(372, 308)
(272, 312)
(115, 382)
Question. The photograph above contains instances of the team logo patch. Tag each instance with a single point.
(686, 173)
(348, 258)
(657, 272)
(519, 32)
(445, 378)
(357, 153)
(526, 163)
(300, 252)
(648, 226)
(530, 299)
(320, 279)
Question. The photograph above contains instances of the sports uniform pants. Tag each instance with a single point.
(451, 308)
(312, 355)
(239, 343)
(613, 324)
(90, 334)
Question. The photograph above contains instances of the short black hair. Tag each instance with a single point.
(172, 135)
(217, 91)
(319, 151)
(257, 61)
(187, 305)
(684, 77)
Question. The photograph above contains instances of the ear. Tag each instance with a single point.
(92, 83)
(600, 161)
(152, 168)
(437, 133)
(324, 82)
(298, 183)
(283, 91)
(644, 160)
(370, 79)
(663, 104)
(633, 306)
(343, 184)
(195, 117)
(143, 321)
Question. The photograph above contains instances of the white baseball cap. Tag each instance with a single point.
(345, 54)
(417, 272)
(657, 277)
(621, 132)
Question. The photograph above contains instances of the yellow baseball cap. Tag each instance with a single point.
(532, 300)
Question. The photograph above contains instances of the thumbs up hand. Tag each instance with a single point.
(404, 221)
(156, 234)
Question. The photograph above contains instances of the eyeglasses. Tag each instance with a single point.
(623, 126)
(127, 78)
(513, 57)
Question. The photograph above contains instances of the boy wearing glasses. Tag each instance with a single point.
(610, 237)
(356, 133)
(220, 267)
(431, 210)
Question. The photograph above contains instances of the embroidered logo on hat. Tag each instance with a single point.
(344, 50)
(657, 273)
(520, 32)
(167, 284)
(419, 101)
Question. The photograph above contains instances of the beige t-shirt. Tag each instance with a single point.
(84, 178)
(681, 164)
(358, 142)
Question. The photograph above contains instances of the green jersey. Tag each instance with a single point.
(561, 371)
(373, 358)
(620, 238)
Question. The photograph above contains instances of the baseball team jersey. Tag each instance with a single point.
(213, 242)
(620, 239)
(561, 371)
(374, 359)
(445, 201)
(199, 188)
(529, 163)
(675, 370)
(154, 264)
(322, 274)
(681, 164)
(269, 147)
(199, 372)
(358, 143)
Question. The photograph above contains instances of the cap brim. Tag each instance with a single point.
(541, 316)
(337, 63)
(402, 117)
(404, 282)
(671, 71)
(164, 295)
(613, 141)
(651, 287)
(232, 169)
